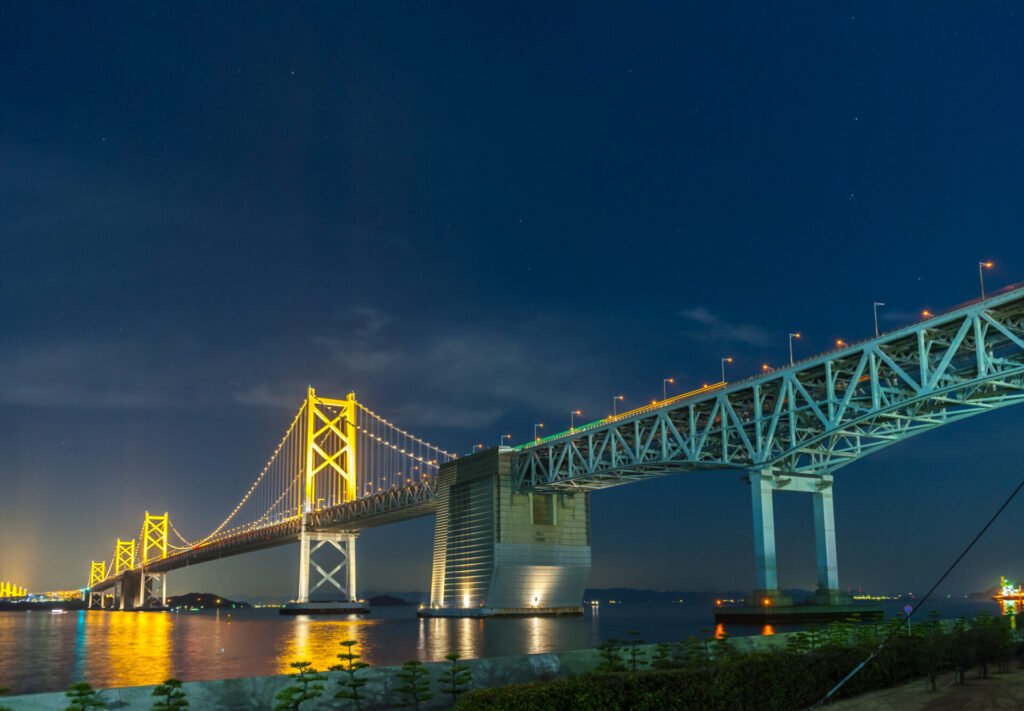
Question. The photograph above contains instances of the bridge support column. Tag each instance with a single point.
(825, 541)
(152, 590)
(328, 561)
(761, 487)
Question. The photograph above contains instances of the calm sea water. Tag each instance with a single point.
(44, 652)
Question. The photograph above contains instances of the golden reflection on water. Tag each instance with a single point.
(137, 645)
(319, 642)
(768, 631)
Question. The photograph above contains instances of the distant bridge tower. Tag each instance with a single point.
(330, 480)
(97, 574)
(124, 560)
(153, 586)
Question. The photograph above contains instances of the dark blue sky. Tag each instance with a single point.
(481, 217)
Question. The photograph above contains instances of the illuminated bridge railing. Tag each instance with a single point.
(812, 418)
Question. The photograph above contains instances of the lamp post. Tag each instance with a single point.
(981, 276)
(478, 445)
(615, 401)
(840, 343)
(875, 307)
(503, 438)
(791, 337)
(572, 418)
(724, 361)
(664, 387)
(535, 426)
(765, 368)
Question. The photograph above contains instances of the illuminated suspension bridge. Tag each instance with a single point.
(340, 467)
(512, 531)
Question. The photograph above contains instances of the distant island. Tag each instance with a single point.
(203, 601)
(387, 601)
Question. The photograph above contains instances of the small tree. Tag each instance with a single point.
(305, 688)
(171, 696)
(662, 656)
(84, 697)
(636, 655)
(455, 678)
(3, 692)
(611, 659)
(414, 684)
(350, 683)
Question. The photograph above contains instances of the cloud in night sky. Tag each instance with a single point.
(712, 328)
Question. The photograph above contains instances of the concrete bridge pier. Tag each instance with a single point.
(763, 483)
(498, 552)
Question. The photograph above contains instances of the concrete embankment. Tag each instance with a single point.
(258, 692)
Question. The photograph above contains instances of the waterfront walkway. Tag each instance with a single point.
(998, 691)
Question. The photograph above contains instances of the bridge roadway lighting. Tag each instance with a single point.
(926, 313)
(615, 401)
(840, 343)
(791, 337)
(572, 418)
(724, 361)
(503, 438)
(535, 426)
(981, 275)
(875, 307)
(664, 387)
(765, 368)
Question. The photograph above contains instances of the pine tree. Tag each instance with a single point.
(414, 684)
(306, 688)
(171, 696)
(636, 655)
(350, 683)
(455, 678)
(84, 697)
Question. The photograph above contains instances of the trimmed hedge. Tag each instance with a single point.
(761, 681)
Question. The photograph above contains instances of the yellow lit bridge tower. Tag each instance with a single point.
(153, 586)
(330, 480)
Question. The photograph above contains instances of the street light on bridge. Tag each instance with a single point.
(664, 387)
(875, 307)
(535, 426)
(765, 368)
(572, 418)
(981, 275)
(615, 401)
(724, 361)
(791, 337)
(503, 438)
(840, 343)
(926, 313)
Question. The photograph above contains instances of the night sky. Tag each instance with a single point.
(479, 217)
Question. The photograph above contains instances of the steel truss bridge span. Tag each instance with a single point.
(809, 419)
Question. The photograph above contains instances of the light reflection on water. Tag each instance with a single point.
(43, 652)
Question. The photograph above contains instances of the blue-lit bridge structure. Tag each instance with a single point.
(512, 532)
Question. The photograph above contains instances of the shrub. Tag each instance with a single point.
(455, 678)
(171, 696)
(305, 688)
(83, 697)
(350, 665)
(414, 684)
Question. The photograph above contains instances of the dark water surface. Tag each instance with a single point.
(44, 652)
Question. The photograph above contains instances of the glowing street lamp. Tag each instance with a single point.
(840, 343)
(615, 401)
(875, 306)
(503, 438)
(926, 313)
(535, 426)
(664, 387)
(478, 445)
(765, 368)
(724, 361)
(981, 275)
(572, 418)
(791, 337)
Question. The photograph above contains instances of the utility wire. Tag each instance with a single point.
(853, 672)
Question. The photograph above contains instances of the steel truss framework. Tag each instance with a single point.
(810, 419)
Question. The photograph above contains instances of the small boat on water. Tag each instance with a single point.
(58, 611)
